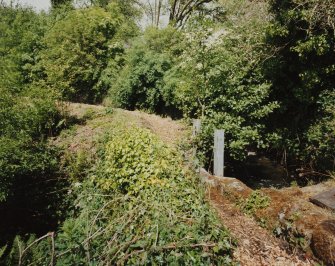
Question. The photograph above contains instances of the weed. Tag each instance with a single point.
(294, 184)
(256, 200)
(77, 164)
(109, 110)
(138, 208)
(89, 114)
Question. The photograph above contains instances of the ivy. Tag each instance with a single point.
(139, 207)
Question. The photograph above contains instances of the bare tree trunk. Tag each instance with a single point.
(173, 10)
(155, 13)
(150, 12)
(159, 8)
(182, 9)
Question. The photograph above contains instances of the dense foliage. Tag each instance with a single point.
(225, 88)
(139, 207)
(264, 71)
(24, 123)
(135, 160)
(27, 114)
(76, 52)
(264, 75)
(140, 84)
(21, 30)
(303, 74)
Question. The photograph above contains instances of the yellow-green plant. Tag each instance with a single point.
(256, 200)
(76, 52)
(136, 159)
(162, 220)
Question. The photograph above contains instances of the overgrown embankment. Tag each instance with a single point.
(134, 202)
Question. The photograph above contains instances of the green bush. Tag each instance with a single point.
(21, 31)
(25, 122)
(140, 84)
(302, 73)
(139, 207)
(319, 150)
(76, 52)
(219, 82)
(135, 160)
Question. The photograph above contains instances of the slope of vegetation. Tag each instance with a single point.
(137, 205)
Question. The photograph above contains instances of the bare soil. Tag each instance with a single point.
(97, 120)
(256, 245)
(171, 132)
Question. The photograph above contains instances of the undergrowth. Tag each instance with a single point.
(257, 200)
(139, 206)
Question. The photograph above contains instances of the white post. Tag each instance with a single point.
(219, 153)
(196, 127)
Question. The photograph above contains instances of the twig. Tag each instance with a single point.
(125, 258)
(156, 235)
(127, 244)
(20, 253)
(52, 248)
(174, 246)
(50, 234)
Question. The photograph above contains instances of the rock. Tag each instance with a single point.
(236, 185)
(323, 241)
(325, 199)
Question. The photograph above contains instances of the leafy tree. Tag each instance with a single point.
(182, 10)
(303, 75)
(76, 52)
(219, 80)
(140, 82)
(129, 8)
(318, 150)
(28, 115)
(58, 3)
(179, 11)
(20, 33)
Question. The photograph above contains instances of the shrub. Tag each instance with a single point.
(302, 74)
(257, 200)
(25, 122)
(138, 208)
(76, 52)
(319, 140)
(220, 82)
(135, 160)
(21, 30)
(140, 84)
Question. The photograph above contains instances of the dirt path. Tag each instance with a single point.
(92, 122)
(256, 246)
(168, 130)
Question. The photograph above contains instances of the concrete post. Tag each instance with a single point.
(196, 127)
(219, 153)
